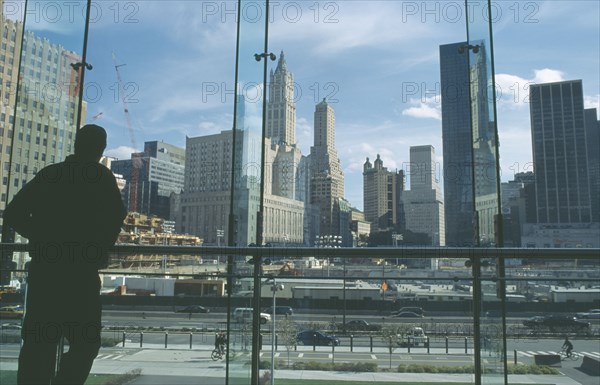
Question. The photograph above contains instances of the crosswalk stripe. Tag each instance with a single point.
(107, 357)
(531, 353)
(373, 356)
(300, 355)
(591, 354)
(277, 355)
(118, 357)
(330, 355)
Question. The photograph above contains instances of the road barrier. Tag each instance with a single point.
(448, 345)
(591, 366)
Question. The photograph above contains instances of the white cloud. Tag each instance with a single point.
(592, 102)
(429, 108)
(423, 111)
(548, 75)
(512, 91)
(121, 152)
(304, 134)
(333, 28)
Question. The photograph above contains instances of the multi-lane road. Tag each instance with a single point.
(151, 354)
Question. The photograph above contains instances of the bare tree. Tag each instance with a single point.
(287, 331)
(389, 336)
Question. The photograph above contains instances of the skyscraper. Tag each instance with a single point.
(423, 203)
(382, 196)
(161, 173)
(38, 127)
(562, 178)
(205, 201)
(592, 132)
(469, 143)
(46, 112)
(457, 145)
(281, 107)
(326, 176)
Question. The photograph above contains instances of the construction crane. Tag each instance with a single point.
(136, 162)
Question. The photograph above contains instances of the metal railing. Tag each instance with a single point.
(239, 257)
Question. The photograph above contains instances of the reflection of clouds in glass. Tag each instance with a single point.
(253, 105)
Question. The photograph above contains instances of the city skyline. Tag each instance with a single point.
(383, 85)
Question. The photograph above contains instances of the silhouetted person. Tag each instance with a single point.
(71, 212)
(568, 346)
(220, 342)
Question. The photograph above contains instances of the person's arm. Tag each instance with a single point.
(19, 214)
(114, 212)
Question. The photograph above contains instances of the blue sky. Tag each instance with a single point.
(376, 61)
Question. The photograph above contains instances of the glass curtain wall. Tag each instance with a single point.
(326, 95)
(162, 85)
(253, 59)
(43, 51)
(41, 79)
(488, 272)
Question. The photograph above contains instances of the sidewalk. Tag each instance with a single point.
(182, 366)
(193, 363)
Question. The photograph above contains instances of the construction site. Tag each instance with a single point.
(140, 229)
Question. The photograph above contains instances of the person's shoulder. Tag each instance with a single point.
(50, 172)
(103, 169)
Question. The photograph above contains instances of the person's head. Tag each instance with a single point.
(90, 142)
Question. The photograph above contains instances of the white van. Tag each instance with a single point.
(244, 315)
(413, 337)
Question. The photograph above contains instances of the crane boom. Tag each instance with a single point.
(135, 160)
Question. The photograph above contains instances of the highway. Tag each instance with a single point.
(434, 325)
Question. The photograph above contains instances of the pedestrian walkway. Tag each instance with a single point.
(110, 356)
(183, 366)
(531, 353)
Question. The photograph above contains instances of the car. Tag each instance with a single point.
(556, 323)
(194, 309)
(315, 337)
(493, 314)
(245, 315)
(15, 311)
(411, 309)
(360, 325)
(591, 314)
(283, 310)
(407, 314)
(413, 337)
(9, 326)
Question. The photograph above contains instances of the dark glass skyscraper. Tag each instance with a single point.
(560, 153)
(457, 145)
(469, 141)
(592, 132)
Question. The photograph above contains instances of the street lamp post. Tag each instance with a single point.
(220, 235)
(274, 288)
